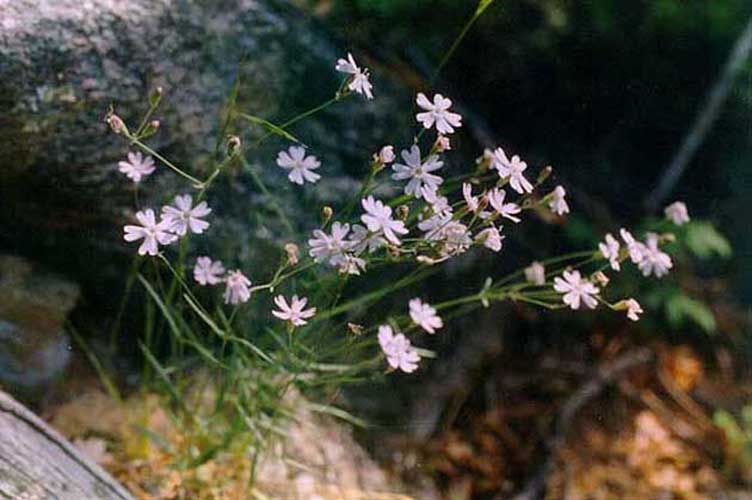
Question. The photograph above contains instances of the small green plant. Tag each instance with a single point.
(737, 443)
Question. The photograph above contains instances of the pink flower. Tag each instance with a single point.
(293, 312)
(558, 204)
(437, 112)
(137, 167)
(677, 213)
(399, 353)
(378, 217)
(496, 198)
(491, 238)
(237, 290)
(359, 82)
(424, 316)
(153, 233)
(183, 216)
(301, 167)
(513, 170)
(654, 261)
(386, 154)
(536, 273)
(208, 272)
(576, 290)
(418, 172)
(610, 250)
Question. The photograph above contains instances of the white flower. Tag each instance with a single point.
(610, 251)
(378, 217)
(535, 273)
(558, 204)
(362, 239)
(330, 248)
(294, 312)
(417, 171)
(153, 233)
(677, 213)
(237, 290)
(636, 249)
(491, 238)
(438, 113)
(576, 290)
(300, 166)
(359, 82)
(654, 261)
(496, 198)
(208, 272)
(183, 216)
(473, 202)
(424, 316)
(386, 154)
(633, 308)
(399, 353)
(513, 169)
(137, 167)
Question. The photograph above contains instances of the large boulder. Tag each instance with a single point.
(64, 62)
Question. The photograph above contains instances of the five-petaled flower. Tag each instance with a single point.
(152, 232)
(237, 288)
(496, 198)
(424, 315)
(184, 216)
(654, 261)
(513, 170)
(137, 167)
(301, 167)
(677, 213)
(208, 272)
(576, 290)
(418, 171)
(293, 312)
(399, 353)
(378, 217)
(325, 247)
(359, 82)
(437, 112)
(610, 250)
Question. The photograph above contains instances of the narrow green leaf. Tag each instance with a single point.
(161, 305)
(482, 6)
(274, 129)
(338, 413)
(162, 375)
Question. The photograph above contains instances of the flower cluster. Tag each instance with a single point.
(430, 221)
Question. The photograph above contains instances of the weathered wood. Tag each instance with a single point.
(36, 462)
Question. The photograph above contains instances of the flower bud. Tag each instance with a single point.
(117, 125)
(155, 97)
(355, 328)
(386, 155)
(150, 129)
(293, 253)
(233, 144)
(668, 238)
(402, 212)
(543, 175)
(442, 144)
(326, 214)
(601, 278)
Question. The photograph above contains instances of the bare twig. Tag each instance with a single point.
(605, 376)
(704, 120)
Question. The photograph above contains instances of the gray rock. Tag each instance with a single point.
(64, 62)
(34, 305)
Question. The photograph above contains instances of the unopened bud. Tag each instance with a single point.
(355, 328)
(233, 144)
(402, 212)
(484, 161)
(293, 253)
(116, 123)
(386, 155)
(155, 97)
(326, 214)
(442, 144)
(393, 251)
(601, 278)
(668, 238)
(150, 129)
(543, 175)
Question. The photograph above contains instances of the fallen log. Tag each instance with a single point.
(36, 462)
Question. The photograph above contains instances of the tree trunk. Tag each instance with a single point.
(37, 462)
